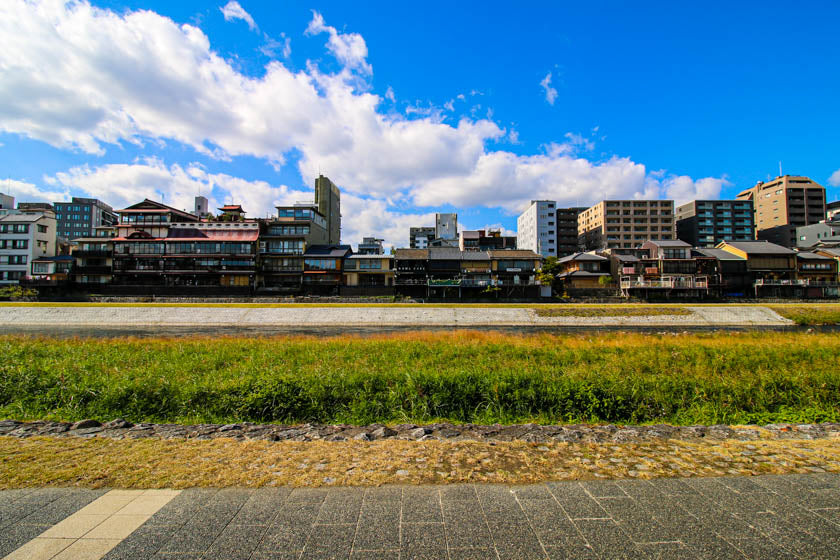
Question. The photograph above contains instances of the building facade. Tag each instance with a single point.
(24, 237)
(536, 230)
(813, 235)
(283, 242)
(705, 223)
(614, 224)
(446, 226)
(485, 240)
(79, 217)
(784, 204)
(328, 201)
(566, 229)
(371, 246)
(420, 237)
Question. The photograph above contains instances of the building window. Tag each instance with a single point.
(42, 229)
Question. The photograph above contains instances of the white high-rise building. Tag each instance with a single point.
(446, 226)
(536, 230)
(24, 237)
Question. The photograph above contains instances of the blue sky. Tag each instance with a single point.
(467, 107)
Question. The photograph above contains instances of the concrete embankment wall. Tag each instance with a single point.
(107, 316)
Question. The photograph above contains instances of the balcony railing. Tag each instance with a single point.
(675, 282)
(797, 282)
(93, 253)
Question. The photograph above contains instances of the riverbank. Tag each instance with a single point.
(460, 377)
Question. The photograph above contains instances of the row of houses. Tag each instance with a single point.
(668, 269)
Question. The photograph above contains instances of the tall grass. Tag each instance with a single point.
(421, 377)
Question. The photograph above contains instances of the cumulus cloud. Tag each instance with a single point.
(272, 46)
(124, 184)
(84, 78)
(550, 92)
(233, 11)
(684, 189)
(349, 48)
(29, 192)
(834, 180)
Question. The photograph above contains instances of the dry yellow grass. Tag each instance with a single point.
(151, 463)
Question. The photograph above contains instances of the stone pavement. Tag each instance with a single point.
(775, 517)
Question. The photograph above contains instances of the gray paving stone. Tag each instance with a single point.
(340, 508)
(63, 507)
(182, 507)
(516, 540)
(236, 542)
(378, 527)
(143, 543)
(762, 549)
(571, 552)
(577, 503)
(673, 486)
(384, 494)
(15, 536)
(422, 505)
(466, 526)
(639, 488)
(608, 540)
(329, 541)
(472, 554)
(375, 555)
(532, 492)
(549, 522)
(422, 540)
(458, 492)
(603, 489)
(668, 551)
(262, 507)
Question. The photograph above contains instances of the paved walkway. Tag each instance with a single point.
(774, 517)
(702, 316)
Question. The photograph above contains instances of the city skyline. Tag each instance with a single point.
(410, 114)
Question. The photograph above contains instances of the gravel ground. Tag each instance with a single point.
(379, 316)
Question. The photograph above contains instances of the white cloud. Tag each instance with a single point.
(124, 184)
(349, 48)
(272, 46)
(684, 189)
(550, 92)
(449, 105)
(84, 78)
(233, 11)
(834, 180)
(28, 192)
(389, 95)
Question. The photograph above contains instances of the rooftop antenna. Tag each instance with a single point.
(780, 169)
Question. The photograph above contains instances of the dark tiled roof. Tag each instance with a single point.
(582, 257)
(444, 254)
(719, 254)
(328, 251)
(513, 254)
(412, 254)
(808, 256)
(759, 248)
(669, 243)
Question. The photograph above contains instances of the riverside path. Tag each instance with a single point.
(774, 517)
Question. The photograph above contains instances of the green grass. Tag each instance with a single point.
(810, 315)
(611, 311)
(462, 377)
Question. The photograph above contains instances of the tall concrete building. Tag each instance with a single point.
(446, 226)
(25, 235)
(705, 223)
(625, 224)
(566, 228)
(328, 200)
(420, 237)
(80, 216)
(535, 228)
(784, 204)
(202, 207)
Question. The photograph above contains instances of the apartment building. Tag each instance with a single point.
(323, 267)
(566, 228)
(536, 228)
(446, 226)
(93, 257)
(283, 241)
(420, 237)
(705, 223)
(80, 216)
(784, 204)
(832, 211)
(369, 270)
(625, 224)
(371, 246)
(25, 235)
